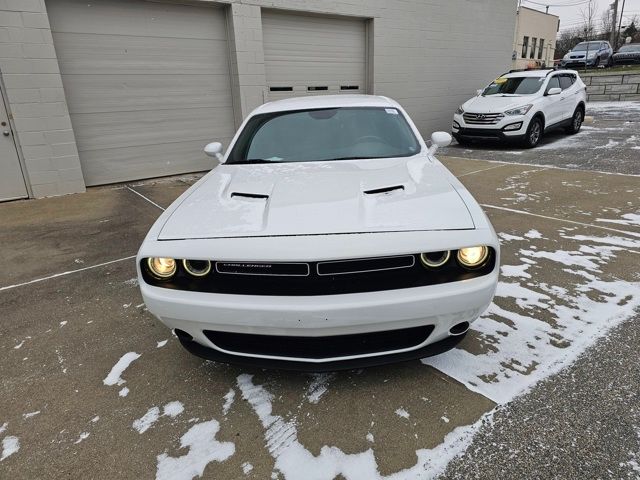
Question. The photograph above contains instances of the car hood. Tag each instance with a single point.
(494, 103)
(316, 198)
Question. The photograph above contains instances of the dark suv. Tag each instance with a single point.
(593, 54)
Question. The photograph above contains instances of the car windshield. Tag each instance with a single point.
(583, 46)
(630, 48)
(514, 86)
(323, 135)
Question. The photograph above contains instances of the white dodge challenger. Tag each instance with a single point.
(328, 237)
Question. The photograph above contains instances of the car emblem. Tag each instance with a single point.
(481, 116)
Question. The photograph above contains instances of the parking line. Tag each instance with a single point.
(63, 274)
(523, 212)
(483, 170)
(146, 198)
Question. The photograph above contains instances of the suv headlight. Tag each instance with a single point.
(460, 110)
(523, 110)
(592, 54)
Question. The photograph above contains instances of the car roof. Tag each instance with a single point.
(325, 101)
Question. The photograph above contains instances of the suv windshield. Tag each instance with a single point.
(325, 134)
(514, 86)
(583, 46)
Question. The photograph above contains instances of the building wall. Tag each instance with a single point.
(429, 56)
(539, 25)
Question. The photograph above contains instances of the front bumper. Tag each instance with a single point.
(497, 132)
(578, 62)
(626, 60)
(441, 306)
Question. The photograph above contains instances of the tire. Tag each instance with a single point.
(463, 142)
(596, 64)
(610, 62)
(534, 133)
(576, 122)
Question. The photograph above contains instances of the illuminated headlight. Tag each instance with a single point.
(197, 268)
(473, 257)
(460, 110)
(161, 267)
(513, 126)
(523, 110)
(456, 125)
(434, 259)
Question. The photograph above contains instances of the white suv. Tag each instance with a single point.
(520, 106)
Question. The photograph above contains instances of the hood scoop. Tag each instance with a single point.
(252, 196)
(378, 191)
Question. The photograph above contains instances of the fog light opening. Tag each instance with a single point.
(459, 329)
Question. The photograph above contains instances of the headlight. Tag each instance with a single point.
(519, 111)
(592, 54)
(460, 110)
(566, 57)
(197, 268)
(435, 259)
(472, 257)
(161, 267)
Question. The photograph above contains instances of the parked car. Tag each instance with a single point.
(521, 106)
(627, 54)
(329, 237)
(595, 53)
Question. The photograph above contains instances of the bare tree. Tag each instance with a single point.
(588, 14)
(606, 23)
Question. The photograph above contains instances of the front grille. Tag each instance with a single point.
(319, 278)
(482, 118)
(320, 347)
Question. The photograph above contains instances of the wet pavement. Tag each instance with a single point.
(95, 387)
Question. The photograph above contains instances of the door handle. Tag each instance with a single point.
(6, 133)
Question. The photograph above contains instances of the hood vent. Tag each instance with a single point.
(378, 191)
(260, 196)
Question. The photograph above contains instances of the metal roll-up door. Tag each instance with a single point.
(313, 54)
(147, 85)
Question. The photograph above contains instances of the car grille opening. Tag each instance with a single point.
(334, 346)
(482, 118)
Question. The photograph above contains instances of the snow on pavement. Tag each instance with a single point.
(115, 375)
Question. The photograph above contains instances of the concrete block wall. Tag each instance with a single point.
(612, 87)
(419, 54)
(35, 95)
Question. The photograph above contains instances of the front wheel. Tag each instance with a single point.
(576, 122)
(610, 62)
(534, 133)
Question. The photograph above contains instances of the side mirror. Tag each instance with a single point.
(214, 149)
(554, 91)
(439, 139)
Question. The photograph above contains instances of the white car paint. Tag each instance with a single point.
(317, 211)
(556, 110)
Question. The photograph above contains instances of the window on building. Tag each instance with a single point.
(540, 48)
(525, 46)
(533, 47)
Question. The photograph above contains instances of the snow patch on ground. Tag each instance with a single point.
(30, 414)
(203, 449)
(627, 219)
(161, 344)
(527, 349)
(533, 234)
(401, 412)
(144, 423)
(507, 237)
(83, 436)
(295, 462)
(10, 445)
(246, 468)
(229, 397)
(515, 270)
(318, 386)
(124, 391)
(115, 375)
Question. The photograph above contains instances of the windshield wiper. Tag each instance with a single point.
(254, 160)
(353, 158)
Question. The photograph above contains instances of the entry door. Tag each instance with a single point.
(12, 184)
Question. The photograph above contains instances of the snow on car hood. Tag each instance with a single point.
(319, 198)
(494, 103)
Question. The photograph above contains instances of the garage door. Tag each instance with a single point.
(147, 85)
(312, 55)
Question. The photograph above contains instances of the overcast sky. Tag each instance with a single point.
(569, 10)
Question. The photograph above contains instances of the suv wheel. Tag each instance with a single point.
(610, 62)
(576, 122)
(534, 133)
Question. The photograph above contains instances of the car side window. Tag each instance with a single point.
(553, 83)
(565, 82)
